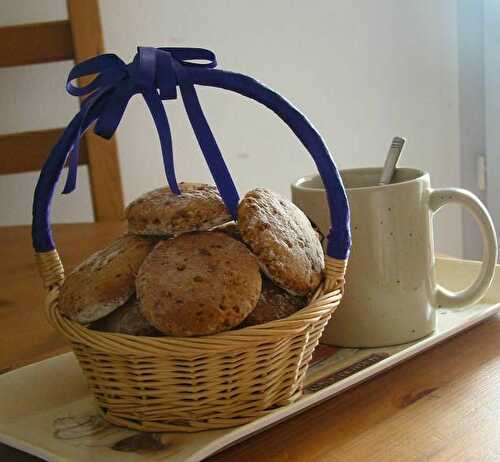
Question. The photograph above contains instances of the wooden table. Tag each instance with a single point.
(443, 405)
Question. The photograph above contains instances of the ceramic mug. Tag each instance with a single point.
(391, 293)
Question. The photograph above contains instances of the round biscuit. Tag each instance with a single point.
(127, 319)
(274, 303)
(163, 213)
(198, 284)
(105, 280)
(282, 238)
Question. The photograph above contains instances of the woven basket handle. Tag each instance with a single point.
(339, 239)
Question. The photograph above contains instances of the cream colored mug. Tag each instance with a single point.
(391, 293)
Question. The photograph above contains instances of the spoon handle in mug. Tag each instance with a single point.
(391, 160)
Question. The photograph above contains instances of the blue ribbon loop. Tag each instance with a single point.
(154, 73)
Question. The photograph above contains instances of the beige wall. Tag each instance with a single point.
(362, 71)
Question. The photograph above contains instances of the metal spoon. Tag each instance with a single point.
(391, 160)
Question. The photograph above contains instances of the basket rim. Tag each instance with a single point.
(322, 304)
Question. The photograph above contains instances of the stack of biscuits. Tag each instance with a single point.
(185, 269)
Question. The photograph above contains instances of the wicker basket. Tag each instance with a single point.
(217, 381)
(192, 384)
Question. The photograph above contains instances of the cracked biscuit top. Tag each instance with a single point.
(161, 212)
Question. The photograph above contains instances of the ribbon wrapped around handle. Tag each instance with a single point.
(155, 73)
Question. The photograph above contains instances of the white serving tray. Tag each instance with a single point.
(46, 409)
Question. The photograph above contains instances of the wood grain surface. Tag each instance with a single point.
(443, 405)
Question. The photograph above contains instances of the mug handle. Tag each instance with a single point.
(442, 296)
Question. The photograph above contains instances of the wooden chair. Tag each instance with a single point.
(77, 38)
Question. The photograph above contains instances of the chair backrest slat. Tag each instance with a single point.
(27, 151)
(35, 43)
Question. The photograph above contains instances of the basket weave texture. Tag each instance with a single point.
(193, 384)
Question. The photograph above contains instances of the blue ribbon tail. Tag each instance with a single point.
(88, 114)
(207, 143)
(72, 161)
(159, 115)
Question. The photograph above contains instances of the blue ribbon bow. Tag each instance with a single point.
(154, 73)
